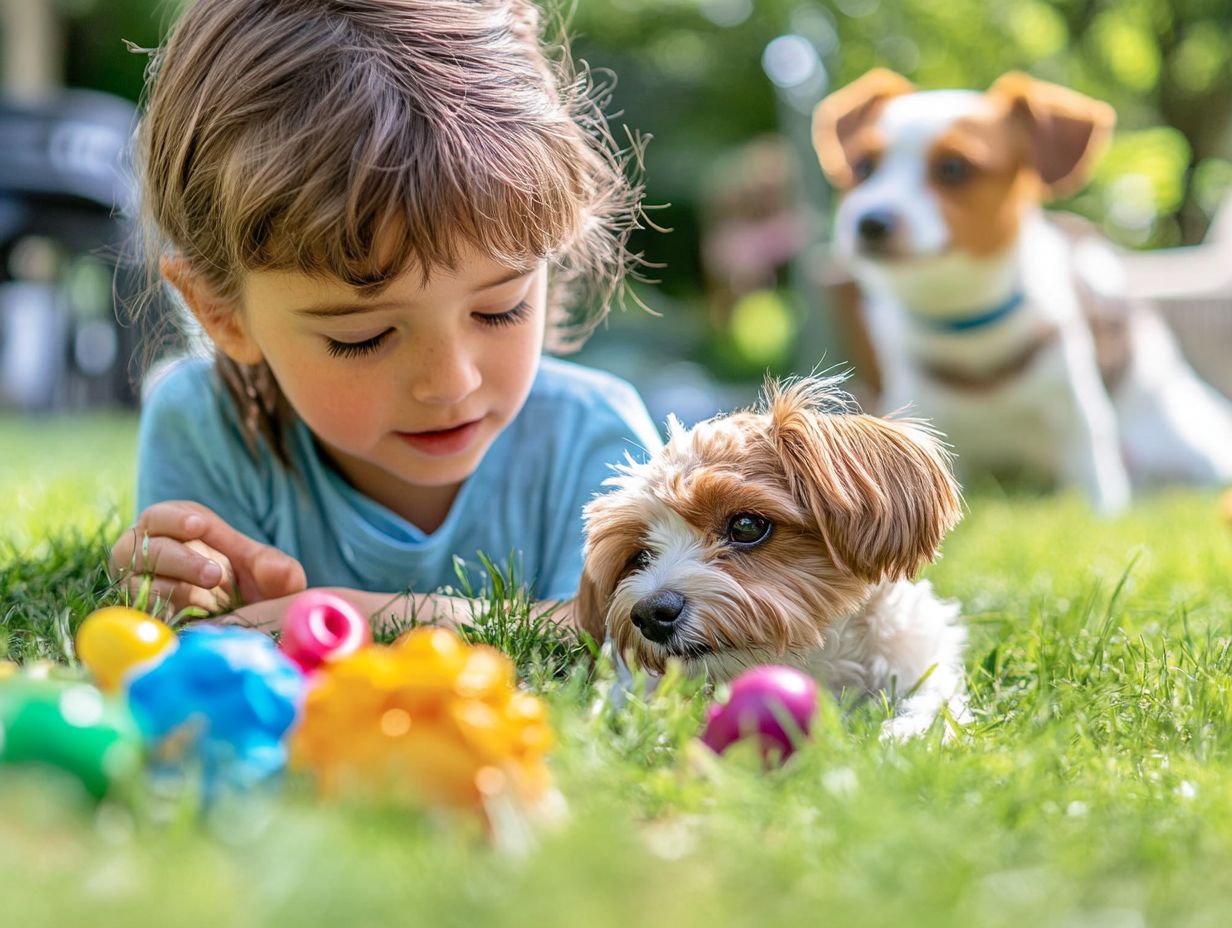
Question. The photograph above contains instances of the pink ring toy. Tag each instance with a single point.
(320, 626)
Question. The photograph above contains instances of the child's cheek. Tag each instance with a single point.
(512, 369)
(341, 408)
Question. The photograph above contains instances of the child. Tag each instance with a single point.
(375, 209)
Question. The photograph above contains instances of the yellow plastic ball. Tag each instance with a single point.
(113, 641)
(431, 719)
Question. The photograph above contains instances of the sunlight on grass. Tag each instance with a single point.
(1092, 789)
(62, 473)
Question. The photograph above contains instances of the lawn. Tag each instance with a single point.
(1093, 790)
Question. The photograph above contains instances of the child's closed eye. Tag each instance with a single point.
(339, 349)
(508, 317)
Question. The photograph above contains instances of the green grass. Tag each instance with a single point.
(1093, 789)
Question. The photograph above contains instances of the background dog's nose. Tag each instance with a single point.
(657, 613)
(876, 225)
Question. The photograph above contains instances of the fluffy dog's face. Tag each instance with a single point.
(746, 536)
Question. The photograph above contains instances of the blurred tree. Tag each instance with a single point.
(97, 55)
(691, 74)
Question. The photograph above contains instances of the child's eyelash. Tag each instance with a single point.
(339, 349)
(509, 317)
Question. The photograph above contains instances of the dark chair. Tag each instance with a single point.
(69, 252)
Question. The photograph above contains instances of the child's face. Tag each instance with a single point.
(407, 389)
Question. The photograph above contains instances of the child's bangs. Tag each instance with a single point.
(415, 197)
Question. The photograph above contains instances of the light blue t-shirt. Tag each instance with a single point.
(526, 495)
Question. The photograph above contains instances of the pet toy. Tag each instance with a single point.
(225, 698)
(319, 626)
(775, 704)
(430, 719)
(112, 642)
(70, 726)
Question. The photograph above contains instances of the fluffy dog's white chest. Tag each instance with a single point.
(902, 633)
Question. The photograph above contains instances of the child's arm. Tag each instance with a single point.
(191, 557)
(425, 608)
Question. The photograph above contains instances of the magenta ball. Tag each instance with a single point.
(319, 626)
(777, 704)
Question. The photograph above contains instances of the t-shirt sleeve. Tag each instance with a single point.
(189, 447)
(604, 431)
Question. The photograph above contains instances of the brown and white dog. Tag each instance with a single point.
(787, 534)
(991, 318)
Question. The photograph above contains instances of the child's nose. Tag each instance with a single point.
(446, 376)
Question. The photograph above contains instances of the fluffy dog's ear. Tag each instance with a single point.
(1064, 130)
(881, 491)
(613, 531)
(840, 117)
(590, 609)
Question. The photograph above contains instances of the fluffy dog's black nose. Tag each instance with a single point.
(876, 226)
(657, 613)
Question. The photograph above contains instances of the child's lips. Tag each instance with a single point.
(443, 442)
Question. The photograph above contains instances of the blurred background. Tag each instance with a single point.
(725, 88)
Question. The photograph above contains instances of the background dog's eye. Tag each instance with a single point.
(747, 528)
(863, 169)
(639, 560)
(953, 170)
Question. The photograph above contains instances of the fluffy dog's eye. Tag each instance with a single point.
(952, 170)
(748, 528)
(639, 560)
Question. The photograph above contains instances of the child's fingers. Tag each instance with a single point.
(178, 519)
(255, 570)
(227, 579)
(166, 597)
(122, 555)
(261, 571)
(173, 559)
(276, 574)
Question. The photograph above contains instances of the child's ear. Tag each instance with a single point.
(880, 491)
(1065, 131)
(222, 319)
(841, 118)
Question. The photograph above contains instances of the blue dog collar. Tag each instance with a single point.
(970, 323)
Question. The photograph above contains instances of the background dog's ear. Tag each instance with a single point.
(881, 491)
(838, 119)
(1065, 131)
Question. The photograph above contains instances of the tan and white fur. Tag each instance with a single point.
(787, 534)
(941, 221)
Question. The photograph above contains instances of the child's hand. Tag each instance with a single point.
(197, 559)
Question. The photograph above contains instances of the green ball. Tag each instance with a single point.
(69, 726)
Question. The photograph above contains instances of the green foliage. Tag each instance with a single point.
(690, 74)
(1161, 63)
(60, 473)
(503, 618)
(1090, 789)
(45, 595)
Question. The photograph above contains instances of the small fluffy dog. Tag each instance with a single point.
(1007, 328)
(787, 534)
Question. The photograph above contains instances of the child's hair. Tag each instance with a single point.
(292, 134)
